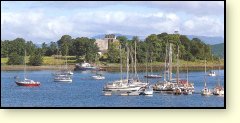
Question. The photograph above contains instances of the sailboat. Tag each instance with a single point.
(205, 91)
(212, 73)
(187, 90)
(166, 84)
(27, 82)
(123, 84)
(152, 75)
(65, 71)
(98, 76)
(176, 89)
(63, 76)
(218, 90)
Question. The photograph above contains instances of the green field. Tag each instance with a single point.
(49, 60)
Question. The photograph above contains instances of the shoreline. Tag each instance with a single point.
(107, 68)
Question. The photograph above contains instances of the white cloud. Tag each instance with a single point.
(44, 26)
(204, 26)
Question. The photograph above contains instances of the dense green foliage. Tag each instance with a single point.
(218, 50)
(36, 58)
(85, 49)
(15, 59)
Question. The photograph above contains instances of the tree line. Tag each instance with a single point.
(85, 49)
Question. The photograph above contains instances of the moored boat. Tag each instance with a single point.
(85, 66)
(26, 82)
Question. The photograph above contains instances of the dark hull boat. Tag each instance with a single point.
(28, 83)
(153, 76)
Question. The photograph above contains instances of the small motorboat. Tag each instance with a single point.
(98, 77)
(212, 73)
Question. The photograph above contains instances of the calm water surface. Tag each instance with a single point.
(86, 92)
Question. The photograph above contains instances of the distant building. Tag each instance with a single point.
(103, 44)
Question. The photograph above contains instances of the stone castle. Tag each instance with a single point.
(103, 44)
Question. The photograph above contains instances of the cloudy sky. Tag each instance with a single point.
(48, 21)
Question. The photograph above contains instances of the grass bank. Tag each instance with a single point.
(54, 63)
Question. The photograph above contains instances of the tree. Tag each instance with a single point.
(123, 40)
(85, 48)
(113, 52)
(52, 49)
(64, 43)
(44, 48)
(36, 58)
(15, 59)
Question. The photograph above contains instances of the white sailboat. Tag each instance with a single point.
(205, 91)
(123, 84)
(218, 90)
(64, 75)
(187, 90)
(177, 90)
(27, 82)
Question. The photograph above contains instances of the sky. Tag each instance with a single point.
(48, 21)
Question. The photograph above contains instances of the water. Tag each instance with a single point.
(86, 92)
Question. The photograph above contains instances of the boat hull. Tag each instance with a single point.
(155, 76)
(122, 89)
(27, 84)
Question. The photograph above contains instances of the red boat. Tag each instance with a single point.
(27, 82)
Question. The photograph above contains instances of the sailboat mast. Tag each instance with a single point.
(205, 83)
(66, 58)
(178, 66)
(127, 62)
(219, 73)
(135, 59)
(170, 62)
(120, 52)
(165, 63)
(132, 64)
(187, 71)
(147, 66)
(24, 64)
(151, 64)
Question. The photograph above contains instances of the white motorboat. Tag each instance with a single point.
(98, 77)
(212, 73)
(148, 91)
(84, 66)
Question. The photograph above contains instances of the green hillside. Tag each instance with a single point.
(218, 50)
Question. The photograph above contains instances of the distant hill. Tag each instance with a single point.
(208, 40)
(218, 50)
(129, 37)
